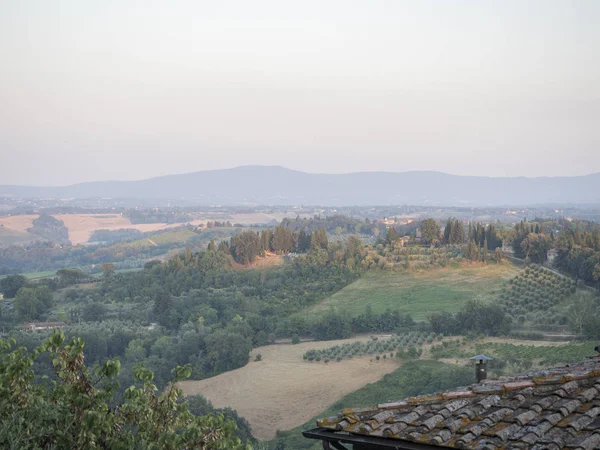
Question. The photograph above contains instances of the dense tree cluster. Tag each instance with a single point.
(50, 228)
(454, 232)
(78, 410)
(336, 224)
(430, 232)
(482, 239)
(43, 256)
(475, 317)
(579, 252)
(10, 285)
(247, 246)
(531, 242)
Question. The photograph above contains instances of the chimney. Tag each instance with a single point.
(481, 367)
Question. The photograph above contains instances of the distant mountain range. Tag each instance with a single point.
(274, 185)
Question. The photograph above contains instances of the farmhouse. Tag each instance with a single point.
(550, 409)
(38, 326)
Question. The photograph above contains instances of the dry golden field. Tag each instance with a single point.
(81, 226)
(283, 391)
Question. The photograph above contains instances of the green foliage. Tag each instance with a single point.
(397, 343)
(10, 285)
(454, 232)
(200, 406)
(69, 277)
(538, 296)
(77, 411)
(30, 302)
(475, 317)
(430, 231)
(245, 247)
(50, 228)
(318, 240)
(330, 224)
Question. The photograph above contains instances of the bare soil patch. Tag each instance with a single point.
(283, 391)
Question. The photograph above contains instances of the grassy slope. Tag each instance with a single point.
(35, 275)
(10, 236)
(164, 237)
(413, 378)
(420, 292)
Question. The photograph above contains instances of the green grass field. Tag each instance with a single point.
(420, 293)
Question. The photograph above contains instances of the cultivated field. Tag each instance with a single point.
(13, 229)
(81, 226)
(10, 236)
(420, 293)
(283, 391)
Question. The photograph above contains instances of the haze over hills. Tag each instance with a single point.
(280, 186)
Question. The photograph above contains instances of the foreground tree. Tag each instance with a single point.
(77, 410)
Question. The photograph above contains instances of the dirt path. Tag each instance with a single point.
(283, 391)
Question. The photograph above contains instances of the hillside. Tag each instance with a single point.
(262, 391)
(277, 185)
(419, 293)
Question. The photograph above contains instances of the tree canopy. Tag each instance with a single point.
(77, 409)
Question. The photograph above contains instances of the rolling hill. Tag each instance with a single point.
(280, 186)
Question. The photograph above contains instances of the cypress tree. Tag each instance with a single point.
(485, 251)
(211, 246)
(448, 231)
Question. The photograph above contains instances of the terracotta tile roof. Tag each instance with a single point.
(552, 409)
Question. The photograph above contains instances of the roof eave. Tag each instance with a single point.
(334, 437)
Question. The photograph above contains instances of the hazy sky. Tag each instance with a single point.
(117, 89)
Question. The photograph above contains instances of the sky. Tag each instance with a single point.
(97, 90)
